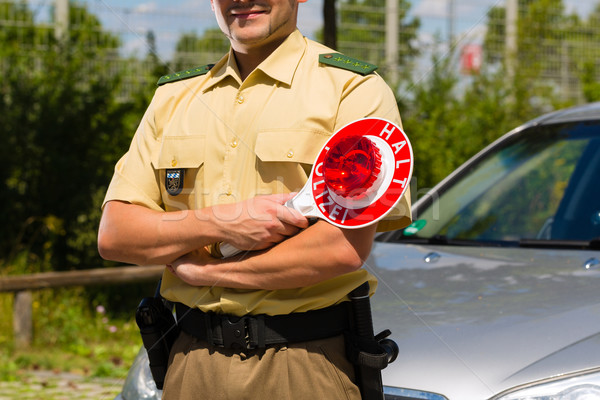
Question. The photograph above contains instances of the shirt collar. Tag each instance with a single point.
(280, 65)
(225, 67)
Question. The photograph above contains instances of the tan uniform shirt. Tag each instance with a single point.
(234, 140)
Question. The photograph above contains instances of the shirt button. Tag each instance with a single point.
(234, 143)
(173, 163)
(240, 99)
(290, 154)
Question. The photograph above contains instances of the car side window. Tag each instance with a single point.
(537, 186)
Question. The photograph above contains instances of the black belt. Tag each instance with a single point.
(259, 331)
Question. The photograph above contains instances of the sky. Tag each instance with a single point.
(170, 18)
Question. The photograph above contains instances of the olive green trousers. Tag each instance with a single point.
(312, 370)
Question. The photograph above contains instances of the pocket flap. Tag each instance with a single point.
(181, 152)
(300, 146)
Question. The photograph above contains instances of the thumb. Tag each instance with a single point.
(281, 198)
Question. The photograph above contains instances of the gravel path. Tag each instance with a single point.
(45, 385)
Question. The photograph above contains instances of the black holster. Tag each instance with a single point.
(159, 330)
(369, 353)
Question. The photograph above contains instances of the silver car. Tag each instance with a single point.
(493, 293)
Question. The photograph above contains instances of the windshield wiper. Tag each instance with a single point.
(593, 244)
(443, 240)
(439, 239)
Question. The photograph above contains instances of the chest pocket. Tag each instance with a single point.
(287, 156)
(179, 166)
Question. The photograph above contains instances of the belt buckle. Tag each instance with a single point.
(236, 333)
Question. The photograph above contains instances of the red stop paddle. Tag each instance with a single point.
(358, 177)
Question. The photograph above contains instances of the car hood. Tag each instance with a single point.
(473, 322)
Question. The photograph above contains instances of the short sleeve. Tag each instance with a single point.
(135, 180)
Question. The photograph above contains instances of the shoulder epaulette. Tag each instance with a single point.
(190, 73)
(345, 62)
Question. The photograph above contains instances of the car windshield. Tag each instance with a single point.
(541, 184)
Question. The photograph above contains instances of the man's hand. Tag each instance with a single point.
(188, 268)
(258, 223)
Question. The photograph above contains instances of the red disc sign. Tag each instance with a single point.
(390, 181)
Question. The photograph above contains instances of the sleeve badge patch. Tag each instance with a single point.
(174, 181)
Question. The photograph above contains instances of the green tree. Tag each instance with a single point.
(448, 121)
(587, 57)
(363, 22)
(64, 131)
(554, 49)
(86, 32)
(428, 117)
(361, 31)
(540, 23)
(589, 80)
(149, 70)
(193, 50)
(19, 32)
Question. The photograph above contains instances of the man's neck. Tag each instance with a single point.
(250, 57)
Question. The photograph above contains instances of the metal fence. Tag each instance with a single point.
(550, 41)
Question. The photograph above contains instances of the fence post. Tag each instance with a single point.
(23, 285)
(391, 42)
(61, 17)
(23, 318)
(511, 46)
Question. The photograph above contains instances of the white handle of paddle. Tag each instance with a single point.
(228, 250)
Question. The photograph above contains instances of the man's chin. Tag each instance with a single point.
(249, 38)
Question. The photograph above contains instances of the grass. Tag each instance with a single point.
(50, 386)
(69, 335)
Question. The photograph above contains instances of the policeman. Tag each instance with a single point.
(219, 151)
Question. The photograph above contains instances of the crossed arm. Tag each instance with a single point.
(288, 253)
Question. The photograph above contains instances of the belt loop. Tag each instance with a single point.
(256, 332)
(260, 331)
(209, 331)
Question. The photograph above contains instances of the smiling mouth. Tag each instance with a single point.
(247, 12)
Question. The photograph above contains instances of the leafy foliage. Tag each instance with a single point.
(550, 46)
(63, 130)
(362, 32)
(448, 123)
(450, 119)
(588, 63)
(356, 15)
(211, 46)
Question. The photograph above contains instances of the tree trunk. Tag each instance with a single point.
(329, 24)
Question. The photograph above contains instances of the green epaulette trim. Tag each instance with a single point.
(190, 73)
(345, 62)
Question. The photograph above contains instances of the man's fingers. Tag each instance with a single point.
(281, 198)
(293, 217)
(289, 215)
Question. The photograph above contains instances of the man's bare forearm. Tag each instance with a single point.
(316, 254)
(135, 234)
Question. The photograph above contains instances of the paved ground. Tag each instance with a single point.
(45, 385)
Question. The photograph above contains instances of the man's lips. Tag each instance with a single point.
(246, 12)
